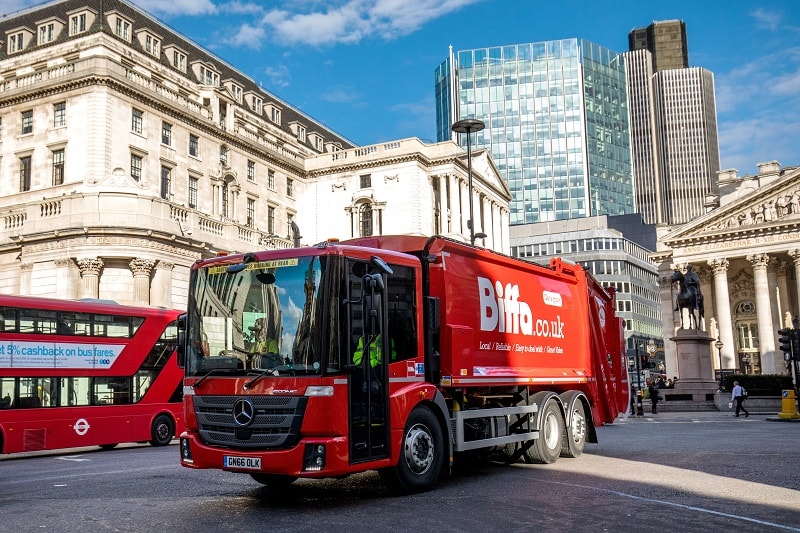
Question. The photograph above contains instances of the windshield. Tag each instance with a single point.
(265, 318)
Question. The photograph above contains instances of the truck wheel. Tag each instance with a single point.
(162, 431)
(547, 447)
(421, 455)
(274, 480)
(575, 431)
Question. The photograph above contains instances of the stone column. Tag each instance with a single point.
(785, 305)
(766, 334)
(90, 268)
(443, 209)
(141, 269)
(25, 273)
(795, 306)
(161, 291)
(65, 279)
(774, 294)
(455, 204)
(722, 304)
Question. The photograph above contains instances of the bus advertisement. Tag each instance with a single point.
(77, 373)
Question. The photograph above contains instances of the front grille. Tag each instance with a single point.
(276, 421)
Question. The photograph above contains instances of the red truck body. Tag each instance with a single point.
(518, 359)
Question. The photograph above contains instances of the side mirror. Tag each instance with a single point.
(181, 348)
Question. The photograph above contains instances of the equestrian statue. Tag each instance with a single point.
(689, 296)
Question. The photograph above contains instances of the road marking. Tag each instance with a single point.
(76, 458)
(679, 505)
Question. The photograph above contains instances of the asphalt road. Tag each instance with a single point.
(667, 472)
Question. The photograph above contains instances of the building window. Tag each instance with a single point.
(27, 122)
(137, 120)
(301, 134)
(77, 24)
(179, 60)
(194, 145)
(166, 182)
(166, 133)
(251, 170)
(123, 29)
(289, 220)
(271, 220)
(47, 32)
(251, 213)
(271, 179)
(60, 114)
(223, 155)
(15, 42)
(225, 199)
(289, 188)
(275, 115)
(58, 167)
(366, 181)
(208, 77)
(365, 220)
(193, 183)
(152, 45)
(136, 167)
(24, 174)
(237, 93)
(257, 105)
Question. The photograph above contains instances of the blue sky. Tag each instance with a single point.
(365, 67)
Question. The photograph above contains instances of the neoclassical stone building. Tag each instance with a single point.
(747, 253)
(127, 152)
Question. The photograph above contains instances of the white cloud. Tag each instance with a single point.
(766, 19)
(355, 20)
(279, 76)
(248, 36)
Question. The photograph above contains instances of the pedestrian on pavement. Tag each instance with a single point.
(737, 395)
(654, 397)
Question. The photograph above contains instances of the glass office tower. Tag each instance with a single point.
(556, 116)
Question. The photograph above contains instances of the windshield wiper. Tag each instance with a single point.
(209, 373)
(259, 376)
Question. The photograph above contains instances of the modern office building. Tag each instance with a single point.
(127, 152)
(556, 122)
(673, 123)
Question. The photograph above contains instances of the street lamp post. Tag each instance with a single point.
(468, 125)
(719, 345)
(639, 408)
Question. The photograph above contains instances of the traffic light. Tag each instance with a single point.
(645, 362)
(796, 344)
(785, 340)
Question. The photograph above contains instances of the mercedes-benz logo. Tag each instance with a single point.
(243, 412)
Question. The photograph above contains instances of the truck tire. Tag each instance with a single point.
(273, 480)
(422, 455)
(162, 431)
(575, 430)
(550, 423)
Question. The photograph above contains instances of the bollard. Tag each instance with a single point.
(788, 405)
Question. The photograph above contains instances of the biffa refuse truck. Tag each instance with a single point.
(395, 354)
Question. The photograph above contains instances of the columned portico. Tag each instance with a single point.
(750, 243)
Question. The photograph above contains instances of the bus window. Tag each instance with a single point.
(75, 391)
(114, 390)
(37, 321)
(8, 391)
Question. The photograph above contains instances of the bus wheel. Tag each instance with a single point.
(547, 447)
(108, 446)
(575, 431)
(421, 455)
(162, 431)
(274, 480)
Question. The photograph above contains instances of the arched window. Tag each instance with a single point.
(365, 219)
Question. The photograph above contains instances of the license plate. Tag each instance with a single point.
(241, 463)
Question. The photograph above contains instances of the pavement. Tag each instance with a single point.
(770, 416)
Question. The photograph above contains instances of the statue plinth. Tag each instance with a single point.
(693, 347)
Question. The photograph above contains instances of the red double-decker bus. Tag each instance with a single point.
(86, 373)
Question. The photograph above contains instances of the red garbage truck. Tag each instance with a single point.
(395, 354)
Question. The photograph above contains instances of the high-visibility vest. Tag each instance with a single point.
(374, 351)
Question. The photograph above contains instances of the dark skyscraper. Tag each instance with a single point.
(666, 41)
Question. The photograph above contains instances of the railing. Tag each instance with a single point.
(76, 211)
